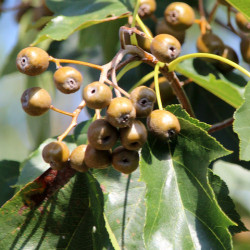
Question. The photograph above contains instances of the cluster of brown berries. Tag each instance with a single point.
(171, 29)
(121, 123)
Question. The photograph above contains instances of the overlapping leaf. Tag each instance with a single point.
(64, 221)
(182, 211)
(76, 15)
(222, 195)
(242, 126)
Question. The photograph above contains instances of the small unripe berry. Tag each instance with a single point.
(102, 135)
(134, 137)
(180, 16)
(32, 61)
(121, 112)
(166, 91)
(35, 101)
(242, 22)
(143, 99)
(124, 160)
(147, 8)
(97, 95)
(77, 159)
(210, 43)
(230, 54)
(163, 28)
(67, 79)
(163, 123)
(165, 47)
(56, 154)
(95, 158)
(245, 48)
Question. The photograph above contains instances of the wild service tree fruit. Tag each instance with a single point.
(32, 61)
(35, 101)
(67, 79)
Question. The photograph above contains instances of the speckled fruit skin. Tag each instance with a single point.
(102, 135)
(143, 99)
(98, 159)
(77, 159)
(242, 22)
(163, 123)
(97, 95)
(165, 47)
(245, 48)
(134, 137)
(32, 61)
(67, 79)
(35, 101)
(124, 160)
(163, 28)
(120, 112)
(146, 8)
(56, 154)
(179, 16)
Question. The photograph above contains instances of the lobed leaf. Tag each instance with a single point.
(179, 112)
(181, 209)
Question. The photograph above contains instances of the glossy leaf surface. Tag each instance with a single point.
(182, 211)
(73, 16)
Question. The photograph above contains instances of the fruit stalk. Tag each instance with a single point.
(73, 121)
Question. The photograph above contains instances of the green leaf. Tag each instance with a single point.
(34, 166)
(179, 112)
(73, 16)
(124, 206)
(241, 127)
(63, 221)
(80, 132)
(100, 235)
(105, 32)
(181, 209)
(222, 88)
(241, 5)
(226, 203)
(9, 171)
